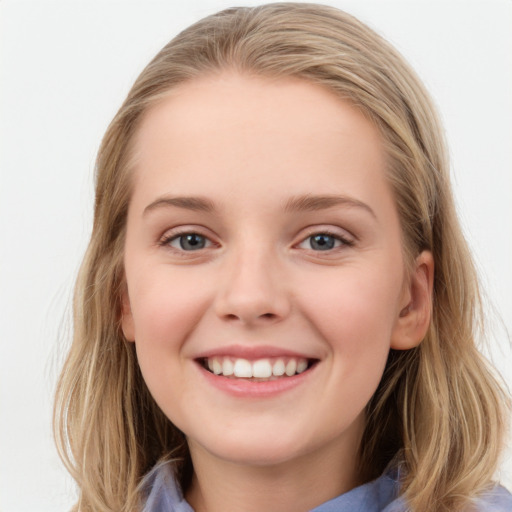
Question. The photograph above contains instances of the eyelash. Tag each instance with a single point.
(166, 240)
(326, 232)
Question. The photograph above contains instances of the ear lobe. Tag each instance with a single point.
(414, 317)
(127, 317)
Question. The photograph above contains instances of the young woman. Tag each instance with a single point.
(277, 309)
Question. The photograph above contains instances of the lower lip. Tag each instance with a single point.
(245, 388)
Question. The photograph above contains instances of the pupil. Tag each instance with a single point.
(192, 242)
(322, 242)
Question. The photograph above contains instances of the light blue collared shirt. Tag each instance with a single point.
(380, 495)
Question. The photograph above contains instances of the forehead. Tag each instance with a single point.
(288, 133)
(232, 100)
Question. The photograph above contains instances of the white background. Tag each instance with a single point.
(65, 68)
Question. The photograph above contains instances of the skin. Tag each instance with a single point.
(250, 146)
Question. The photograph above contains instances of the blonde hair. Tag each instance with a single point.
(438, 412)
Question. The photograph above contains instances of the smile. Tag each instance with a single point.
(264, 369)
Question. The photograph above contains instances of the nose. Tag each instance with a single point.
(252, 289)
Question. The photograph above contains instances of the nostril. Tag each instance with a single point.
(267, 316)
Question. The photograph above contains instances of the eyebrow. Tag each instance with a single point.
(306, 202)
(198, 204)
(310, 202)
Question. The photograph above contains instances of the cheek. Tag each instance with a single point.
(164, 305)
(165, 311)
(163, 320)
(355, 310)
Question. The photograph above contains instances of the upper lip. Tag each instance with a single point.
(252, 352)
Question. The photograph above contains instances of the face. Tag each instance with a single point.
(264, 267)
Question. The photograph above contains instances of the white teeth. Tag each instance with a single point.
(278, 368)
(291, 367)
(217, 366)
(302, 364)
(227, 367)
(242, 368)
(259, 369)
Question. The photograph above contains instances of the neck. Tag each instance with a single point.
(297, 485)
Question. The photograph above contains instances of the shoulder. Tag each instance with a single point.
(497, 499)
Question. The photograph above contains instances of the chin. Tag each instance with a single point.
(261, 448)
(257, 457)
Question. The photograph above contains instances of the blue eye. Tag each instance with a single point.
(189, 242)
(323, 242)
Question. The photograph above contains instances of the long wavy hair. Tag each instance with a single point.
(439, 411)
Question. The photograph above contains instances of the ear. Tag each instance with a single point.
(415, 311)
(126, 316)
